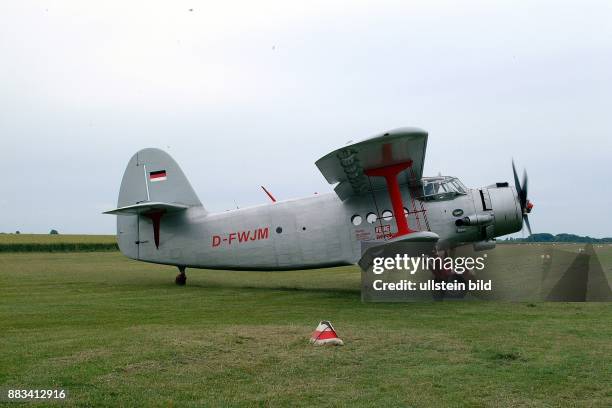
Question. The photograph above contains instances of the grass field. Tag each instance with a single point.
(116, 332)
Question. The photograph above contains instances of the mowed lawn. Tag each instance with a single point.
(116, 332)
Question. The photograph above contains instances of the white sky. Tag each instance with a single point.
(251, 93)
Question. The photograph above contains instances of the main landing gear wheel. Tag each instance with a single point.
(181, 278)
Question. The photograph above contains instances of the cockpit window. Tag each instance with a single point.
(442, 188)
(459, 187)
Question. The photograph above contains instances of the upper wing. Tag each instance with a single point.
(346, 165)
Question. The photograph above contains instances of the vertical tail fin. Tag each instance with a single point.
(153, 185)
(153, 176)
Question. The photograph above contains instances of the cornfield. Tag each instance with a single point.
(57, 243)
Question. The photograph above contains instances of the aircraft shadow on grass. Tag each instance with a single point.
(332, 290)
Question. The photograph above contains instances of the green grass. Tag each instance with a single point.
(116, 332)
(57, 243)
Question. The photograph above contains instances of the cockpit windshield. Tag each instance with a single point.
(442, 188)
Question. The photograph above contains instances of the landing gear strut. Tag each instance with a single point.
(181, 278)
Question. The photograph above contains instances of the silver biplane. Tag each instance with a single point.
(380, 196)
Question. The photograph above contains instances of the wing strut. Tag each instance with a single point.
(390, 174)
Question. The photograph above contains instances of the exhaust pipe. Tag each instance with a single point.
(476, 219)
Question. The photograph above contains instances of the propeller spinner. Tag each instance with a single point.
(521, 189)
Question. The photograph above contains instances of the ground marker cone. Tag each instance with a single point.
(325, 334)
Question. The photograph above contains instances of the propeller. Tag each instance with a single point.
(521, 189)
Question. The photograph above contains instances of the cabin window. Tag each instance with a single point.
(371, 218)
(356, 219)
(387, 215)
(442, 188)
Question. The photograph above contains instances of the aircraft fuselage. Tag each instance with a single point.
(312, 232)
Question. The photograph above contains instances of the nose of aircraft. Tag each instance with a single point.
(505, 205)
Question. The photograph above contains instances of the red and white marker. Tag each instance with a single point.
(325, 334)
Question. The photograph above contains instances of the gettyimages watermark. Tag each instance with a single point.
(439, 266)
(412, 264)
(425, 276)
(401, 272)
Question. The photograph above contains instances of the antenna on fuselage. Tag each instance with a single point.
(269, 195)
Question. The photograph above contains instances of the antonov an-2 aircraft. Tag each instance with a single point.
(380, 195)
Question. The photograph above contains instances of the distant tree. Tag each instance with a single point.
(541, 237)
(54, 232)
(17, 232)
(570, 238)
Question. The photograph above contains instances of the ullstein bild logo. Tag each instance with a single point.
(541, 273)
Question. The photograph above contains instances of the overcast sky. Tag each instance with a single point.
(249, 93)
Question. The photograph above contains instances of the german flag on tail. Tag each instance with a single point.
(159, 175)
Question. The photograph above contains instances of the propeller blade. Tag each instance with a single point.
(526, 221)
(521, 189)
(524, 191)
(517, 184)
(516, 180)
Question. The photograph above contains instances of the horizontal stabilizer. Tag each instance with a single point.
(146, 207)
